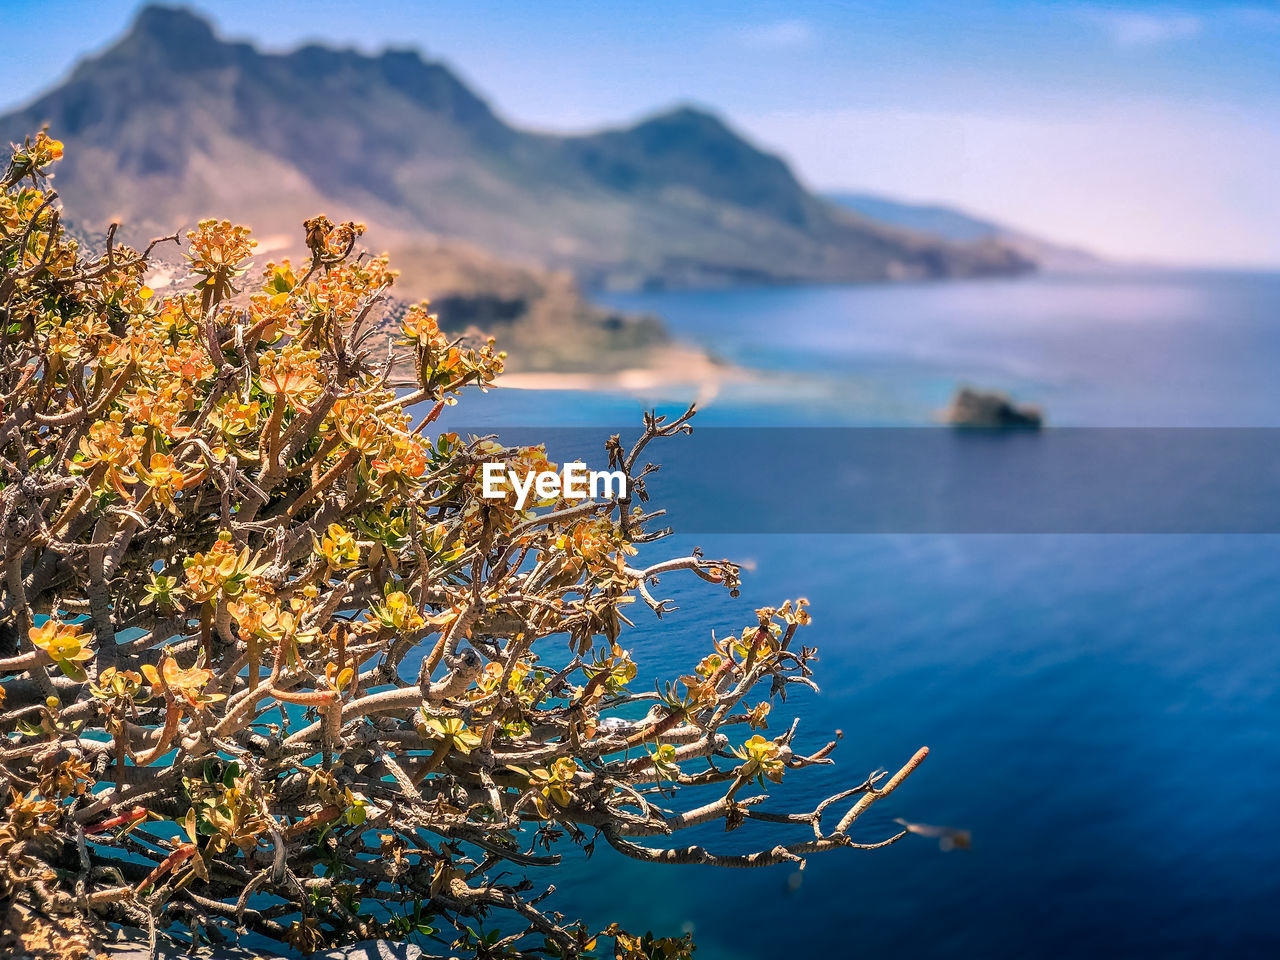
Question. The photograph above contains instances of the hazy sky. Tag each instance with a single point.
(1139, 130)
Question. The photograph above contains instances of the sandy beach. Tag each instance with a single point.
(671, 366)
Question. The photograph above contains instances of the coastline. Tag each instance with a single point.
(669, 366)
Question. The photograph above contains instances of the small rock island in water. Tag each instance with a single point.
(991, 410)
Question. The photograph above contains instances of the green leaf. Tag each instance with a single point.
(73, 670)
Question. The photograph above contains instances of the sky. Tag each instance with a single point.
(1143, 131)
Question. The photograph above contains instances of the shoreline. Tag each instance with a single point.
(671, 366)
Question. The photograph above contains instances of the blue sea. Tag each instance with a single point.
(1103, 711)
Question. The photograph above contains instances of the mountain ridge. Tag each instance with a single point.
(952, 223)
(171, 122)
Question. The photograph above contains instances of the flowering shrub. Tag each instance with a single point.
(270, 663)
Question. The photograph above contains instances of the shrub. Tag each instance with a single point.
(271, 663)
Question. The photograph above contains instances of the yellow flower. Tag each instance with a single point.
(397, 612)
(217, 256)
(186, 684)
(404, 462)
(339, 547)
(421, 327)
(761, 758)
(33, 156)
(164, 479)
(664, 760)
(280, 281)
(106, 446)
(220, 571)
(66, 644)
(116, 684)
(48, 147)
(553, 784)
(291, 373)
(237, 419)
(453, 731)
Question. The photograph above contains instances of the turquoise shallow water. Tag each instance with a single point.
(1103, 711)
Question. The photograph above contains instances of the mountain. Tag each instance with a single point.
(172, 123)
(948, 223)
(935, 219)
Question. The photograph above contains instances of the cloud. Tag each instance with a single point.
(779, 35)
(1132, 29)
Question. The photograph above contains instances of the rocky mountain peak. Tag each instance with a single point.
(174, 36)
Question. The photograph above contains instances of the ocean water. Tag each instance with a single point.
(1103, 711)
(1131, 350)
